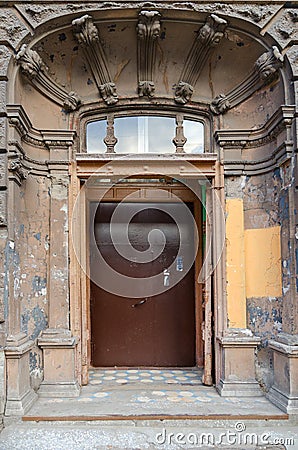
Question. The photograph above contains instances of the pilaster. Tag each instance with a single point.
(57, 342)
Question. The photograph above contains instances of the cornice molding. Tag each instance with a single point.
(209, 36)
(18, 118)
(148, 31)
(87, 35)
(264, 72)
(279, 121)
(35, 70)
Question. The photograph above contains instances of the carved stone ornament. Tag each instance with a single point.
(35, 70)
(16, 167)
(108, 93)
(179, 140)
(85, 31)
(265, 71)
(30, 62)
(209, 36)
(148, 31)
(87, 35)
(183, 93)
(268, 64)
(146, 89)
(110, 140)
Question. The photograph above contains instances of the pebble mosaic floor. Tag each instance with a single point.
(169, 392)
(190, 377)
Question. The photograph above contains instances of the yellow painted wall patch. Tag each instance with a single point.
(263, 262)
(235, 254)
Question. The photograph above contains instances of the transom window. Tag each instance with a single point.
(145, 134)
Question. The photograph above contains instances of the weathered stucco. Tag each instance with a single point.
(245, 95)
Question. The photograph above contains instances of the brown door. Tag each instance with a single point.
(149, 330)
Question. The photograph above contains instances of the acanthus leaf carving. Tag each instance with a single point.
(268, 63)
(148, 31)
(85, 31)
(35, 70)
(87, 35)
(146, 89)
(209, 36)
(183, 92)
(72, 101)
(30, 62)
(265, 70)
(109, 93)
(220, 104)
(16, 167)
(148, 26)
(212, 31)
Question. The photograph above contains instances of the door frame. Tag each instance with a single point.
(207, 167)
(115, 195)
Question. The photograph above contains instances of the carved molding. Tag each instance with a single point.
(34, 69)
(87, 35)
(148, 31)
(18, 118)
(209, 36)
(264, 72)
(281, 120)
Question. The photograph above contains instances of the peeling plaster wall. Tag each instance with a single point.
(33, 237)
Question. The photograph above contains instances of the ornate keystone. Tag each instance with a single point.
(148, 31)
(209, 36)
(264, 72)
(87, 35)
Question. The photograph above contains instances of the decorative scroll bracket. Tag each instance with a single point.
(35, 71)
(264, 72)
(87, 35)
(209, 36)
(148, 31)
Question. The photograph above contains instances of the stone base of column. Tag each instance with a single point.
(59, 364)
(20, 395)
(284, 392)
(238, 364)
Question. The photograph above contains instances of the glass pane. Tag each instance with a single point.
(194, 132)
(145, 134)
(126, 131)
(96, 132)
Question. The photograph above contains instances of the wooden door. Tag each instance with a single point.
(151, 330)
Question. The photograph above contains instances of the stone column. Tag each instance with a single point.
(20, 395)
(57, 342)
